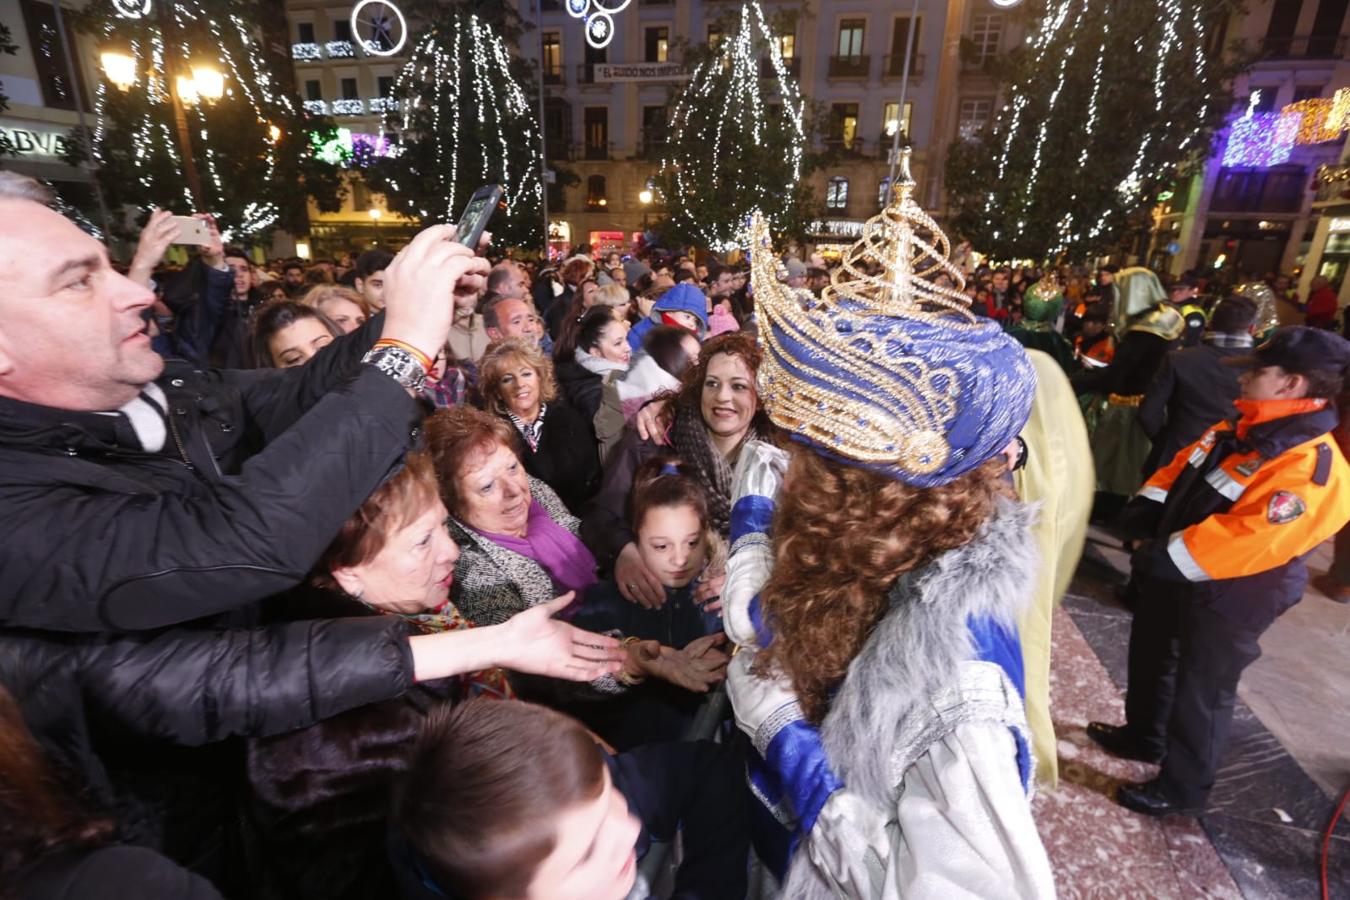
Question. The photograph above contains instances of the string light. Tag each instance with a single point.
(445, 61)
(229, 39)
(1260, 140)
(1321, 120)
(723, 103)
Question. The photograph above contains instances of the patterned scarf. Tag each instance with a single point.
(530, 431)
(689, 437)
(491, 683)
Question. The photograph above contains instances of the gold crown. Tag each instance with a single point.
(842, 371)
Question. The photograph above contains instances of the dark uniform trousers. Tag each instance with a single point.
(1188, 648)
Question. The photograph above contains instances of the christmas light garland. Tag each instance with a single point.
(247, 74)
(478, 86)
(745, 108)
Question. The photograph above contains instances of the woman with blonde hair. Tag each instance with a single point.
(556, 443)
(343, 306)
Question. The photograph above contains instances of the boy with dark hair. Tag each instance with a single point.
(505, 800)
(369, 281)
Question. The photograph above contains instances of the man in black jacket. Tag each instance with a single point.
(1193, 389)
(138, 494)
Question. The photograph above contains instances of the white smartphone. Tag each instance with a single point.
(192, 230)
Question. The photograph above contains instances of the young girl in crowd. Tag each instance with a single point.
(675, 538)
(288, 334)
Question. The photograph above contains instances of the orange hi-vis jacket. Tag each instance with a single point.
(1241, 506)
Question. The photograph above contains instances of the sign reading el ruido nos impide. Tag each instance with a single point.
(31, 139)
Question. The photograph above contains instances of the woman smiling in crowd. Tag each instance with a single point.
(556, 444)
(715, 413)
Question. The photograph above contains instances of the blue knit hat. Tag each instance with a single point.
(892, 373)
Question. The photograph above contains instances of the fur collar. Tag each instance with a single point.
(920, 643)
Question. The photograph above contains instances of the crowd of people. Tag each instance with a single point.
(446, 574)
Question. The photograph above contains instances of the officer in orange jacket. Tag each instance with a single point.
(1219, 538)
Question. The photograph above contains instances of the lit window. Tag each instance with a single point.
(972, 116)
(836, 193)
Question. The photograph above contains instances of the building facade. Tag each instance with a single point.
(605, 110)
(1249, 213)
(44, 101)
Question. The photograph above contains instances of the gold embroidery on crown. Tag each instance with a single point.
(889, 407)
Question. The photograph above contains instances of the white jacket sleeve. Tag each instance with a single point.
(964, 824)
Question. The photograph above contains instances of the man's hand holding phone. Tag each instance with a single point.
(420, 284)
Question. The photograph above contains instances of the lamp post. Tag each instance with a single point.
(187, 83)
(645, 198)
(374, 212)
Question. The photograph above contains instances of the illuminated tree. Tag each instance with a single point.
(738, 142)
(252, 146)
(462, 113)
(1108, 104)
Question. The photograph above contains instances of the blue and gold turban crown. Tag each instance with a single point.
(889, 371)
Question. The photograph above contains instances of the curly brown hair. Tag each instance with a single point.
(842, 536)
(733, 343)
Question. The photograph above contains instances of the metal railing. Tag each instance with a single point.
(849, 66)
(1305, 46)
(793, 67)
(895, 66)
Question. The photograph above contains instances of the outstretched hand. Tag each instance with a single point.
(697, 667)
(536, 643)
(652, 420)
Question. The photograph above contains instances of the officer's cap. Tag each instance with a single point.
(1299, 350)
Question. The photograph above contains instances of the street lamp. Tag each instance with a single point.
(645, 198)
(208, 81)
(119, 67)
(374, 212)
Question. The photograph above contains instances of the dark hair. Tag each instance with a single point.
(665, 345)
(682, 274)
(734, 343)
(565, 346)
(278, 315)
(1326, 383)
(484, 786)
(293, 265)
(235, 250)
(38, 813)
(372, 261)
(592, 326)
(1234, 315)
(1097, 312)
(455, 435)
(817, 272)
(663, 481)
(717, 270)
(498, 276)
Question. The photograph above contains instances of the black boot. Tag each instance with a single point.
(1118, 741)
(1150, 799)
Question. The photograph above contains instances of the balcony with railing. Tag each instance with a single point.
(895, 66)
(844, 146)
(554, 75)
(792, 66)
(651, 143)
(1305, 46)
(849, 66)
(592, 150)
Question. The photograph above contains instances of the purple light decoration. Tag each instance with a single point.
(1260, 140)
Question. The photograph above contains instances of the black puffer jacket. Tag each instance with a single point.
(581, 387)
(95, 702)
(259, 472)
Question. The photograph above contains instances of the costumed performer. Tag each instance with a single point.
(879, 675)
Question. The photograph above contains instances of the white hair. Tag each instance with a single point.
(14, 186)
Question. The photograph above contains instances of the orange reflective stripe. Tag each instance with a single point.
(1250, 537)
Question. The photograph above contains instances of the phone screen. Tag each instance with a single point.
(471, 213)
